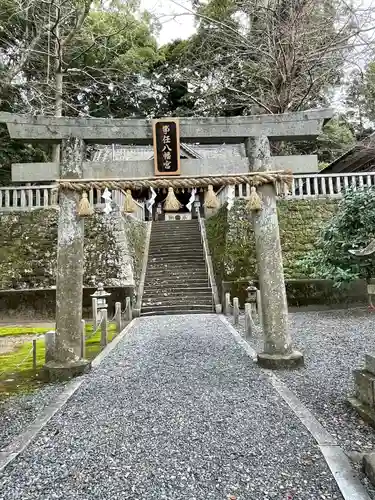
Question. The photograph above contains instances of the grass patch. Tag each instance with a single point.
(16, 367)
(10, 331)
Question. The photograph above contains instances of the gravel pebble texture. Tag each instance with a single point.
(334, 343)
(176, 411)
(20, 410)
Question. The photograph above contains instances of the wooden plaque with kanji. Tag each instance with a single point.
(166, 135)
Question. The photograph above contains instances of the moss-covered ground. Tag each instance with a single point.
(16, 367)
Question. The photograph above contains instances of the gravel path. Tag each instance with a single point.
(176, 411)
(334, 343)
(20, 410)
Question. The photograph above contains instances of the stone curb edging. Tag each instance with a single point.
(20, 443)
(210, 269)
(138, 306)
(336, 459)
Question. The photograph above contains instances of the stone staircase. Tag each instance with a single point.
(176, 280)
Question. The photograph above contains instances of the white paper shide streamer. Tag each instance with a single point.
(230, 197)
(191, 199)
(107, 196)
(151, 201)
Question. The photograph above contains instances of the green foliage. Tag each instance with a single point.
(336, 138)
(352, 227)
(110, 63)
(107, 54)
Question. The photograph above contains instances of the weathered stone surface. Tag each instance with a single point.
(69, 271)
(370, 363)
(49, 340)
(28, 245)
(364, 386)
(229, 129)
(34, 172)
(57, 371)
(365, 411)
(277, 339)
(280, 361)
(369, 466)
(231, 236)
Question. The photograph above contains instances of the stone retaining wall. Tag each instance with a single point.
(232, 245)
(114, 247)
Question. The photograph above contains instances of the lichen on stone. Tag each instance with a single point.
(113, 249)
(232, 244)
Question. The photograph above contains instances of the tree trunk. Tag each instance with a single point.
(58, 83)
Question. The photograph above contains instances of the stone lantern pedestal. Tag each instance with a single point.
(364, 396)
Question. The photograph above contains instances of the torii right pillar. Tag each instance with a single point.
(278, 347)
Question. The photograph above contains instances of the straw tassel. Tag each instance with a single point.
(255, 203)
(129, 204)
(211, 200)
(171, 203)
(84, 207)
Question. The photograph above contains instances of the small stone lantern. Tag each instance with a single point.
(252, 297)
(251, 293)
(100, 295)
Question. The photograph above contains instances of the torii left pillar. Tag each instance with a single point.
(278, 347)
(66, 361)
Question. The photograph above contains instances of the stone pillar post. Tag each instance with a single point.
(67, 360)
(278, 348)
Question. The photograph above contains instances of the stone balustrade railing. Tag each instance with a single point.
(24, 198)
(307, 186)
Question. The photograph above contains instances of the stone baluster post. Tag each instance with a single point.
(278, 348)
(67, 361)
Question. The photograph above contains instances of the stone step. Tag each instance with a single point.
(197, 254)
(170, 262)
(175, 313)
(177, 309)
(178, 248)
(177, 270)
(172, 239)
(166, 283)
(173, 301)
(176, 234)
(175, 223)
(176, 257)
(185, 267)
(170, 250)
(175, 277)
(188, 265)
(175, 229)
(159, 288)
(186, 291)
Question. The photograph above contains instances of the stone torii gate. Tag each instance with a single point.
(74, 175)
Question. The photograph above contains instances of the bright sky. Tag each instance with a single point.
(175, 19)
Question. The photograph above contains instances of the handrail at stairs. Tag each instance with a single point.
(210, 269)
(138, 305)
